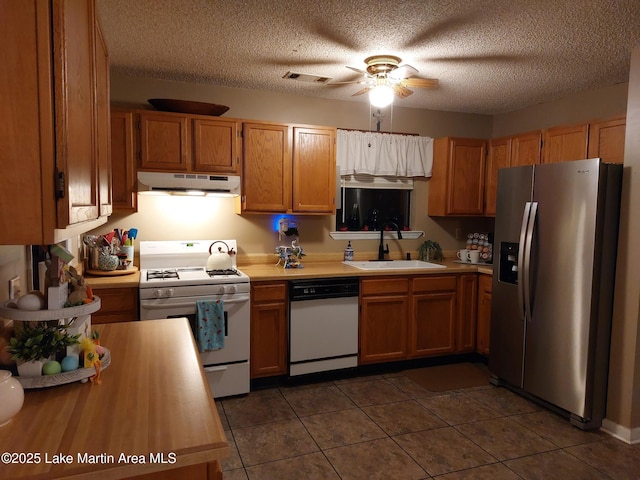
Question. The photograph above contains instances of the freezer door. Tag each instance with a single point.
(507, 320)
(557, 347)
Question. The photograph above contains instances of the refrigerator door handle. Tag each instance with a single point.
(526, 274)
(521, 258)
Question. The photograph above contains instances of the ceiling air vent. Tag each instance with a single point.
(305, 77)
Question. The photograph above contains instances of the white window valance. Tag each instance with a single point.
(387, 154)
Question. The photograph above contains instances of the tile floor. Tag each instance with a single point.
(388, 427)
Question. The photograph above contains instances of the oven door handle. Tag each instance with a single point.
(215, 369)
(150, 305)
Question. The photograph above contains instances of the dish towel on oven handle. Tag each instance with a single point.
(210, 325)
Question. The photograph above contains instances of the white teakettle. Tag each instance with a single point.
(220, 260)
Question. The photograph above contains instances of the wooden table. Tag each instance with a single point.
(153, 406)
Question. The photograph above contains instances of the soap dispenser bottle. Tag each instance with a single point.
(348, 252)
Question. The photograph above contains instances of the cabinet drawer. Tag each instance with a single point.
(434, 284)
(384, 286)
(118, 305)
(268, 292)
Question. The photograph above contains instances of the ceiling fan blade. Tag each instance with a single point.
(362, 72)
(418, 82)
(363, 91)
(357, 82)
(402, 72)
(400, 91)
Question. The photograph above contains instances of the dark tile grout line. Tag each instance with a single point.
(464, 391)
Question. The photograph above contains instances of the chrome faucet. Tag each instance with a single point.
(381, 249)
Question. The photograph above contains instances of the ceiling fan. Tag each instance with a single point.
(385, 77)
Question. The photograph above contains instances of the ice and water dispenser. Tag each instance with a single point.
(508, 272)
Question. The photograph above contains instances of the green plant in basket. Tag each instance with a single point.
(430, 251)
(39, 341)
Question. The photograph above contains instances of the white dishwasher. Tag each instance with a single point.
(323, 325)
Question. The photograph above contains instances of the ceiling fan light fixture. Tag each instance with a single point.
(381, 96)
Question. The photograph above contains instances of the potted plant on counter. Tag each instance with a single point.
(430, 251)
(36, 343)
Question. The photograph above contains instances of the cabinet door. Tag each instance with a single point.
(268, 354)
(215, 146)
(562, 144)
(499, 157)
(526, 149)
(74, 69)
(123, 166)
(434, 319)
(383, 328)
(457, 184)
(266, 168)
(467, 313)
(118, 305)
(27, 154)
(268, 339)
(606, 140)
(164, 142)
(103, 125)
(314, 170)
(484, 314)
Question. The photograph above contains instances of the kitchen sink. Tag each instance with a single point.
(393, 265)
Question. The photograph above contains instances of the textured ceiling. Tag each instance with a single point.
(489, 56)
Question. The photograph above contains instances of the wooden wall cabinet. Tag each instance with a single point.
(123, 162)
(565, 143)
(484, 314)
(103, 124)
(514, 151)
(288, 169)
(266, 167)
(314, 170)
(457, 183)
(176, 142)
(53, 105)
(269, 312)
(117, 305)
(606, 140)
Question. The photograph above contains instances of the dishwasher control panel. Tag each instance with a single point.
(323, 288)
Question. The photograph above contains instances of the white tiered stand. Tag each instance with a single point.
(67, 316)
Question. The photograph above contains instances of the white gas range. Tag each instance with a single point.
(173, 277)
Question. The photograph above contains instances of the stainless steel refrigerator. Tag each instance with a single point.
(555, 237)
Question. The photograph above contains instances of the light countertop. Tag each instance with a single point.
(311, 269)
(153, 399)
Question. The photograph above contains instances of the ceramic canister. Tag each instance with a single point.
(11, 397)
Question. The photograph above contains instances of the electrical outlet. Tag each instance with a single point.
(14, 287)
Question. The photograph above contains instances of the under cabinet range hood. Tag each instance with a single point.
(188, 184)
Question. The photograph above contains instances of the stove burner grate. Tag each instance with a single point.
(226, 271)
(161, 274)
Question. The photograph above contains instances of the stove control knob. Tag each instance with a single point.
(170, 292)
(230, 289)
(157, 293)
(221, 290)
